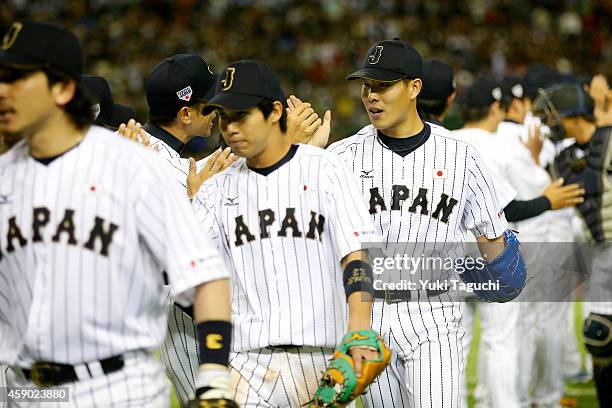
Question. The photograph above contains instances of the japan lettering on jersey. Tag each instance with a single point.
(82, 243)
(284, 235)
(434, 194)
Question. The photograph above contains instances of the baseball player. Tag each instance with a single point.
(177, 90)
(586, 161)
(421, 185)
(82, 243)
(286, 222)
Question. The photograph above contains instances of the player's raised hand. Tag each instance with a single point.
(600, 91)
(302, 120)
(561, 196)
(534, 141)
(134, 131)
(218, 161)
(321, 136)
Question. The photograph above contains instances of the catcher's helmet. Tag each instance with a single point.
(562, 100)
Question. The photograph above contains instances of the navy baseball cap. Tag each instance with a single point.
(570, 99)
(389, 61)
(438, 80)
(539, 77)
(181, 80)
(483, 92)
(243, 84)
(106, 112)
(512, 88)
(30, 45)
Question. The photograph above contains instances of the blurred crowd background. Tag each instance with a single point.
(315, 43)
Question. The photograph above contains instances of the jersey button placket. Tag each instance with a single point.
(38, 328)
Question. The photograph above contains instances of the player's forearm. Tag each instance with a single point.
(360, 311)
(358, 287)
(212, 312)
(212, 301)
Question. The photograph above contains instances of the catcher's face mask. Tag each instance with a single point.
(560, 101)
(544, 108)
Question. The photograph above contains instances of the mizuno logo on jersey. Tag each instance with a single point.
(99, 238)
(400, 193)
(316, 226)
(367, 174)
(230, 201)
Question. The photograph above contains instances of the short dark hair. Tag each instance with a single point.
(266, 106)
(79, 108)
(162, 118)
(430, 108)
(475, 114)
(167, 118)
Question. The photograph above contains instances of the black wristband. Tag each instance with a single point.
(518, 210)
(214, 337)
(357, 277)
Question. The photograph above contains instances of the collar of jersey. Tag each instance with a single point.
(165, 137)
(267, 170)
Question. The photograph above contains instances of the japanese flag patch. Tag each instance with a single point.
(185, 93)
(440, 173)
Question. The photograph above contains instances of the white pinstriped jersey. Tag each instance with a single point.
(434, 194)
(284, 235)
(178, 165)
(83, 240)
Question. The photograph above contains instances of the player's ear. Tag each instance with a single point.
(184, 115)
(277, 111)
(415, 88)
(63, 92)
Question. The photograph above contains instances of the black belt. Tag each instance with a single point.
(283, 347)
(398, 296)
(45, 374)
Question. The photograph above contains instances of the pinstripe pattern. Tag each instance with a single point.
(179, 353)
(425, 335)
(277, 378)
(109, 295)
(287, 285)
(140, 383)
(275, 299)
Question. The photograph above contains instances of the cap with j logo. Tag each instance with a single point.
(243, 84)
(389, 61)
(31, 45)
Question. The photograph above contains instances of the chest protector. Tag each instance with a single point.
(591, 167)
